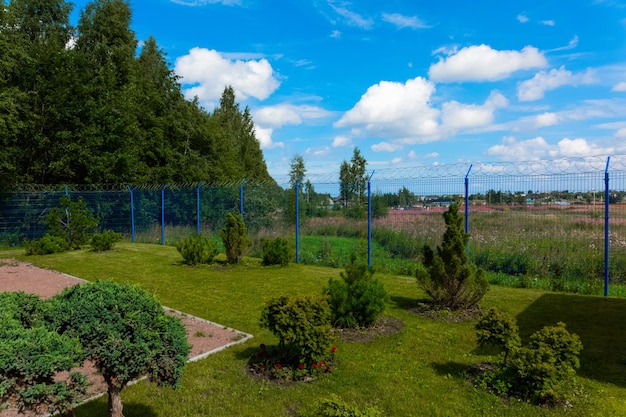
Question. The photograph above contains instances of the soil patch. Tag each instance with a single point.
(205, 337)
(427, 310)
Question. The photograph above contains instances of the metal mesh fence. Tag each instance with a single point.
(558, 224)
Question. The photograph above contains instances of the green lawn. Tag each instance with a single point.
(419, 372)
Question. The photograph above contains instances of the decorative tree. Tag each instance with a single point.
(73, 221)
(447, 276)
(125, 332)
(357, 299)
(235, 237)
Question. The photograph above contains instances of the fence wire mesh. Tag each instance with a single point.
(557, 224)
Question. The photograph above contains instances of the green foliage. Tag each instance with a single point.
(124, 331)
(197, 249)
(542, 372)
(358, 299)
(235, 237)
(105, 241)
(545, 370)
(73, 221)
(47, 245)
(447, 276)
(302, 325)
(275, 251)
(496, 328)
(31, 356)
(334, 406)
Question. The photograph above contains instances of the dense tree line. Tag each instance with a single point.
(83, 105)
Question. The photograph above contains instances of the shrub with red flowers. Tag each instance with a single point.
(302, 325)
(269, 363)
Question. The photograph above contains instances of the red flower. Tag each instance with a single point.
(278, 366)
(262, 354)
(315, 365)
(261, 367)
(301, 366)
(328, 368)
(322, 363)
(333, 349)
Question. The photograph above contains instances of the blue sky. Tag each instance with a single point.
(409, 83)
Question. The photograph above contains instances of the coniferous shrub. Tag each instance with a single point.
(73, 221)
(497, 328)
(101, 242)
(275, 251)
(543, 372)
(197, 249)
(302, 325)
(47, 245)
(358, 299)
(32, 355)
(447, 276)
(235, 237)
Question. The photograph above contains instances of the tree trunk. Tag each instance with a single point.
(115, 402)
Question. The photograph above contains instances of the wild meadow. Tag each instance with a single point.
(557, 248)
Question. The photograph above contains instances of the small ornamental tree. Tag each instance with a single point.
(358, 298)
(72, 221)
(302, 325)
(275, 251)
(235, 237)
(31, 356)
(447, 276)
(197, 249)
(125, 332)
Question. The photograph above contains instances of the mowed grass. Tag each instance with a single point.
(419, 372)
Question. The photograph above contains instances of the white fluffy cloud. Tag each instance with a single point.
(546, 119)
(342, 141)
(455, 116)
(394, 109)
(538, 148)
(403, 114)
(535, 88)
(577, 147)
(208, 72)
(288, 114)
(402, 22)
(482, 63)
(264, 136)
(620, 87)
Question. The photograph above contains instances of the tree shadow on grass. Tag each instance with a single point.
(99, 408)
(406, 303)
(599, 322)
(451, 369)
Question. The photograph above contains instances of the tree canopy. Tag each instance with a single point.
(83, 105)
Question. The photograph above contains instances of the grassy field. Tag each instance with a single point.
(419, 372)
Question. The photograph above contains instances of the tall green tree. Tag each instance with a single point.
(35, 76)
(353, 184)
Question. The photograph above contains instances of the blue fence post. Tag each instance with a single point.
(369, 221)
(606, 228)
(132, 213)
(241, 197)
(467, 206)
(163, 214)
(198, 207)
(297, 187)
